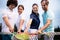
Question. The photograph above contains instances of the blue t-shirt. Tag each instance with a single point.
(35, 21)
(48, 16)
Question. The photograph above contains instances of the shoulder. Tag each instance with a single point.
(4, 12)
(50, 15)
(49, 12)
(23, 16)
(31, 14)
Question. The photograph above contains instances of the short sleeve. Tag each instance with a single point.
(23, 16)
(31, 16)
(50, 16)
(4, 14)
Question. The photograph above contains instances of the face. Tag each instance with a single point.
(11, 7)
(20, 10)
(35, 9)
(44, 6)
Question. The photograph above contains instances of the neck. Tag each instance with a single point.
(35, 13)
(46, 10)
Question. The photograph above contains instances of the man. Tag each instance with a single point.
(8, 19)
(47, 18)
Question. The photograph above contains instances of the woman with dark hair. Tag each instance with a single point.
(21, 19)
(34, 22)
(8, 19)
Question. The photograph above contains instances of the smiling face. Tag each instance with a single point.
(44, 5)
(35, 9)
(20, 9)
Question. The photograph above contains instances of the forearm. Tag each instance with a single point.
(8, 25)
(27, 27)
(46, 25)
(21, 24)
(20, 28)
(28, 24)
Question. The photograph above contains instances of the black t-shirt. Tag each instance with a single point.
(35, 21)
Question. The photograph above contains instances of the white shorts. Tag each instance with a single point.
(33, 37)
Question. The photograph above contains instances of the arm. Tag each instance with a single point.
(45, 26)
(6, 20)
(21, 24)
(28, 25)
(49, 20)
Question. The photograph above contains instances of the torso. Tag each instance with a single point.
(11, 18)
(35, 21)
(48, 15)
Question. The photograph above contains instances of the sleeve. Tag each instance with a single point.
(23, 16)
(50, 16)
(4, 14)
(31, 16)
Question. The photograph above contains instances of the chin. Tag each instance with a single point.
(44, 9)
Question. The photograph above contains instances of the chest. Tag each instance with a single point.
(36, 19)
(45, 16)
(11, 15)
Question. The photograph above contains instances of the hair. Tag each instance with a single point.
(21, 6)
(35, 4)
(9, 2)
(32, 10)
(46, 2)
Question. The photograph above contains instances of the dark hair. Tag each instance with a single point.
(35, 4)
(9, 2)
(46, 2)
(21, 6)
(32, 10)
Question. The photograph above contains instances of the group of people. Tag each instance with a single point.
(33, 24)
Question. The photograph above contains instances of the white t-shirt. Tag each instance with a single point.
(21, 16)
(11, 16)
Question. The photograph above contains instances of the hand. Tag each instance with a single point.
(19, 32)
(11, 29)
(26, 31)
(39, 31)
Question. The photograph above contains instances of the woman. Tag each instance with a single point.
(21, 19)
(34, 21)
